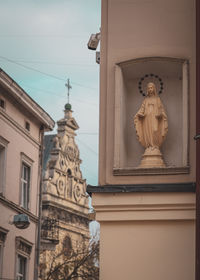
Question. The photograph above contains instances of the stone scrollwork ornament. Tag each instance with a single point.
(60, 186)
(71, 153)
(151, 127)
(77, 193)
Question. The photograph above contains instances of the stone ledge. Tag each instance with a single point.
(18, 209)
(172, 187)
(151, 171)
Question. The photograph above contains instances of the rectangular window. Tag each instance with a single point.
(3, 235)
(2, 168)
(25, 185)
(2, 103)
(27, 126)
(3, 150)
(21, 267)
(1, 259)
(23, 256)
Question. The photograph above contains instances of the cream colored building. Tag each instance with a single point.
(147, 215)
(22, 125)
(65, 223)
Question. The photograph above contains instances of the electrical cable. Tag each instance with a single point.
(42, 90)
(42, 36)
(87, 147)
(44, 73)
(30, 68)
(51, 92)
(53, 63)
(88, 133)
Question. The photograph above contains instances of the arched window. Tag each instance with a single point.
(67, 246)
(69, 172)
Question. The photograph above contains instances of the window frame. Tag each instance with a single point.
(27, 163)
(25, 185)
(3, 146)
(2, 100)
(1, 258)
(19, 275)
(23, 250)
(3, 235)
(27, 126)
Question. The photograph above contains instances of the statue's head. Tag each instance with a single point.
(151, 89)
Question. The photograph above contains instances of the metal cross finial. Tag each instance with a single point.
(68, 86)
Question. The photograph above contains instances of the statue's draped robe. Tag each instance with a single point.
(152, 128)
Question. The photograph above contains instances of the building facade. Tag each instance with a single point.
(22, 126)
(65, 223)
(147, 214)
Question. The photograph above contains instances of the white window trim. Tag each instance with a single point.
(25, 186)
(20, 252)
(2, 98)
(1, 258)
(18, 275)
(2, 244)
(25, 160)
(4, 143)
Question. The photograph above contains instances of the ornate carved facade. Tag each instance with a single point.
(64, 200)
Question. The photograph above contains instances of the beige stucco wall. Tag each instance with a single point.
(157, 253)
(20, 115)
(146, 235)
(9, 251)
(20, 141)
(20, 144)
(136, 29)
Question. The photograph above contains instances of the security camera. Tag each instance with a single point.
(93, 41)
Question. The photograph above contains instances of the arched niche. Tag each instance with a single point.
(174, 73)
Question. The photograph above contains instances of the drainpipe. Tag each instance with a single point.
(40, 169)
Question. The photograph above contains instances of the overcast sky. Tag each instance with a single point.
(43, 43)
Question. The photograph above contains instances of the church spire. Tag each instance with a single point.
(68, 123)
(68, 106)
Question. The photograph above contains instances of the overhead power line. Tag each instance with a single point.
(43, 90)
(53, 63)
(89, 148)
(88, 133)
(55, 94)
(30, 68)
(41, 36)
(44, 73)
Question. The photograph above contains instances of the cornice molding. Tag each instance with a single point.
(27, 102)
(151, 171)
(47, 202)
(18, 209)
(145, 207)
(171, 187)
(75, 229)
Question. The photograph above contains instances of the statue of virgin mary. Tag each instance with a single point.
(151, 127)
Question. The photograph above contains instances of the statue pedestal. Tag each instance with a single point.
(151, 158)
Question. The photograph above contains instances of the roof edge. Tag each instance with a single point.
(24, 99)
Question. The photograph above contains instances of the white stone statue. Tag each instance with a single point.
(151, 127)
